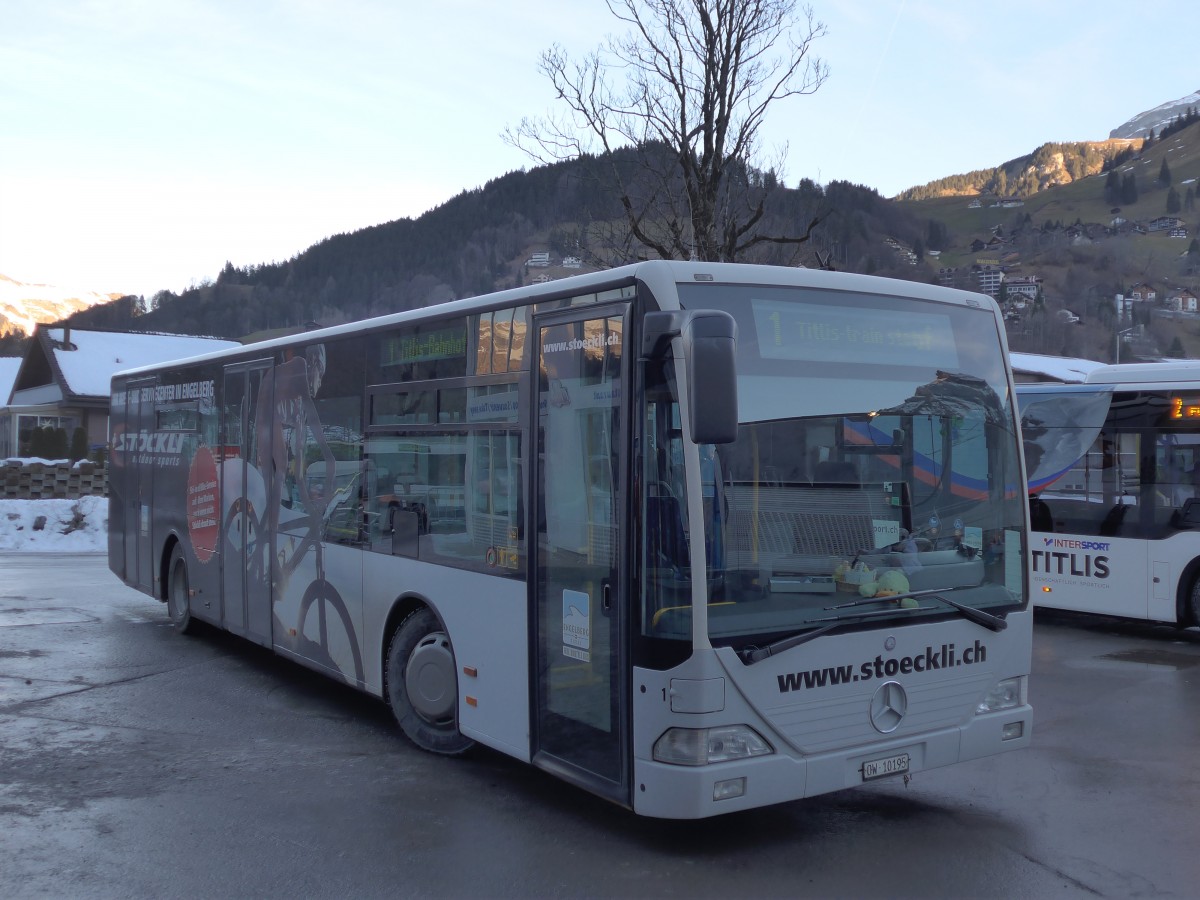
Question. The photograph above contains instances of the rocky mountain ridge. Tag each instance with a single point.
(1143, 123)
(23, 306)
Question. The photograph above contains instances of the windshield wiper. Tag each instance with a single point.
(758, 654)
(978, 616)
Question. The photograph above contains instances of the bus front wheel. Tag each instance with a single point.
(422, 685)
(179, 601)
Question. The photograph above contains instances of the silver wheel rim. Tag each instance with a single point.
(429, 678)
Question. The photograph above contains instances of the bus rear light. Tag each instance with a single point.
(703, 746)
(1046, 589)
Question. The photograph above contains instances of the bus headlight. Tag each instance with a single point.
(702, 746)
(1006, 694)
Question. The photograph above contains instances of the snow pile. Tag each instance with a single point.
(66, 526)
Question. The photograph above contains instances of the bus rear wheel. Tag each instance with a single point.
(179, 600)
(1191, 614)
(422, 685)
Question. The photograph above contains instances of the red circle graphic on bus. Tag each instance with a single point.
(203, 501)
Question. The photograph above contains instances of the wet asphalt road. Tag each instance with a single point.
(136, 762)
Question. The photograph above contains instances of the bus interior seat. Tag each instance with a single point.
(1187, 516)
(1111, 524)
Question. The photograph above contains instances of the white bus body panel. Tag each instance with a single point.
(486, 618)
(822, 735)
(1112, 576)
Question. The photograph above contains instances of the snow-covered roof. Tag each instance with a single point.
(1053, 368)
(88, 369)
(8, 376)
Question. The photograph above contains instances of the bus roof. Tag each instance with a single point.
(655, 273)
(1146, 373)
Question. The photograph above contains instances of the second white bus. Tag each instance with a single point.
(1114, 485)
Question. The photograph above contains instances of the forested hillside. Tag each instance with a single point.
(481, 240)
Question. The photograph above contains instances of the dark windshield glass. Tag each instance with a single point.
(877, 457)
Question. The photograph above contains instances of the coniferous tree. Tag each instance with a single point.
(1129, 191)
(1164, 174)
(59, 444)
(1173, 202)
(1112, 187)
(79, 444)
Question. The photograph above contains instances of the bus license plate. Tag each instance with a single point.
(880, 768)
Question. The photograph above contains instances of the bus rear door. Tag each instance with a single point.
(245, 560)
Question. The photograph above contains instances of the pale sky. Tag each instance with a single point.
(146, 142)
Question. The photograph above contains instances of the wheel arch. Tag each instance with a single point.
(164, 565)
(1183, 593)
(403, 607)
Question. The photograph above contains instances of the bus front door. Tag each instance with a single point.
(245, 562)
(580, 466)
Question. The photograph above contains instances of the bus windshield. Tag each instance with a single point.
(876, 468)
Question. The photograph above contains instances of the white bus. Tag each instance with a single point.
(693, 537)
(1114, 482)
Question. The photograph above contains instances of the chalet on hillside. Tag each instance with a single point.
(1142, 293)
(1164, 223)
(1183, 301)
(63, 381)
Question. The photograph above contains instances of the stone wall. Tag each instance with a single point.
(24, 480)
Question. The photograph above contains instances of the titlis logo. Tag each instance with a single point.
(1059, 558)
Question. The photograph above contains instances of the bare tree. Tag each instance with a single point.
(688, 87)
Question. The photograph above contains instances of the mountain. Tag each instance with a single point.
(1143, 123)
(1050, 165)
(22, 306)
(525, 226)
(1084, 220)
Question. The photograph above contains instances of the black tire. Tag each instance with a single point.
(179, 598)
(421, 685)
(1191, 614)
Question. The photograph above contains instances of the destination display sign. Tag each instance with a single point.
(445, 343)
(816, 332)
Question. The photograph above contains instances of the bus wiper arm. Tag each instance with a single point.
(978, 616)
(929, 592)
(758, 654)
